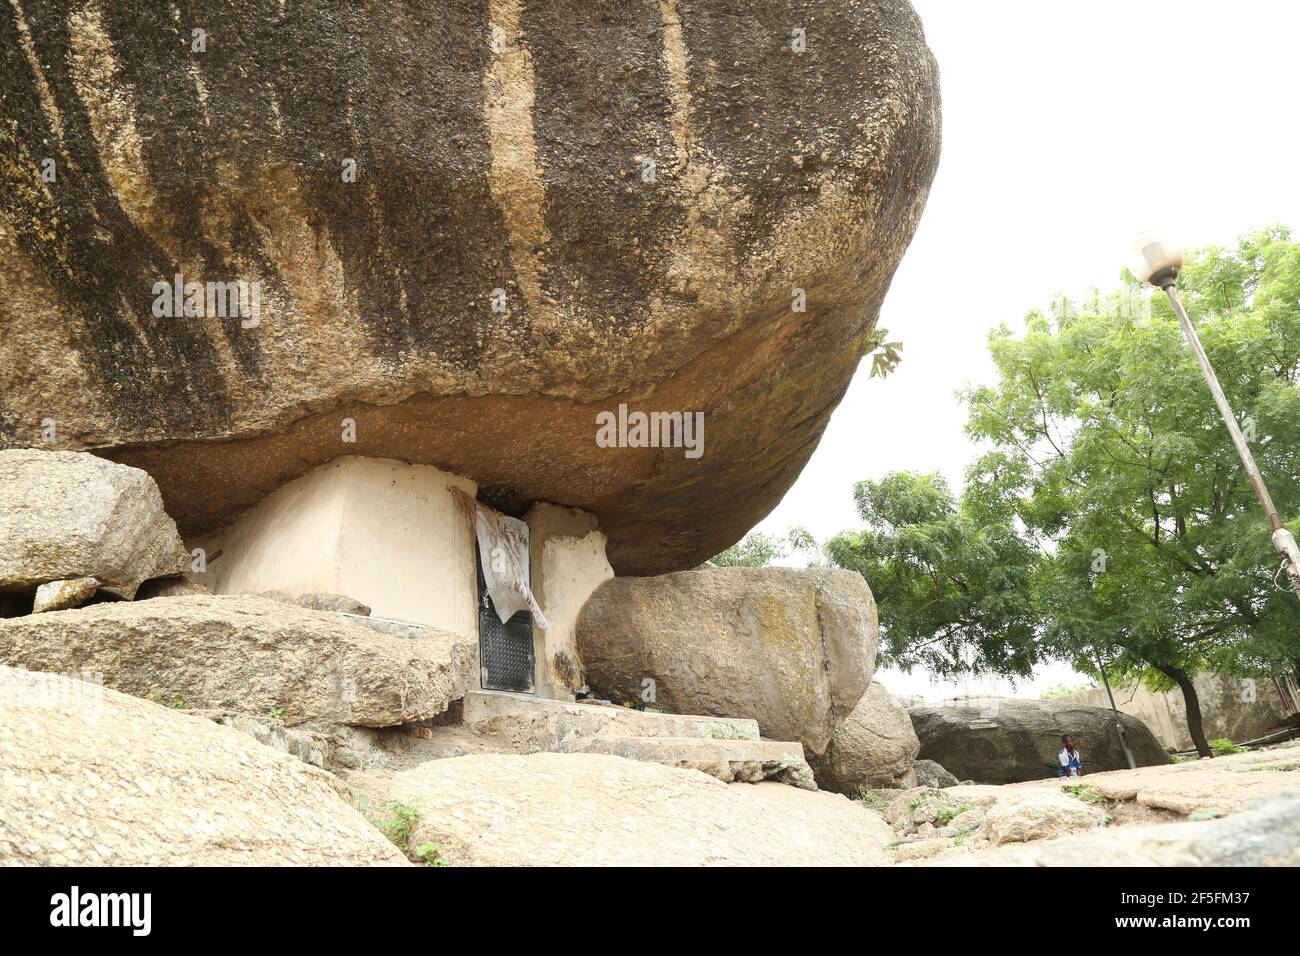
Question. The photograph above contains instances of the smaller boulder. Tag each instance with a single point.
(793, 648)
(1038, 813)
(57, 595)
(931, 774)
(248, 655)
(69, 515)
(872, 748)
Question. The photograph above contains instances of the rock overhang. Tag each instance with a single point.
(512, 162)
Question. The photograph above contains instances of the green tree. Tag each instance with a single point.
(1107, 447)
(951, 579)
(757, 550)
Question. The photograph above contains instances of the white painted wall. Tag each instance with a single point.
(384, 532)
(568, 563)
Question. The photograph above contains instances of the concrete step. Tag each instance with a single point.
(533, 724)
(731, 761)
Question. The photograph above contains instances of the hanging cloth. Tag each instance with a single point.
(503, 553)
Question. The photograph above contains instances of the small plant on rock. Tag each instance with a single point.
(1086, 794)
(277, 713)
(398, 825)
(948, 814)
(1223, 747)
(873, 800)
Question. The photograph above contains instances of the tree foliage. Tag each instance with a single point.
(1108, 521)
(757, 550)
(1107, 447)
(952, 589)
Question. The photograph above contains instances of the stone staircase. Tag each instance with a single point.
(726, 748)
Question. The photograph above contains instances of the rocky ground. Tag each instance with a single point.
(1242, 809)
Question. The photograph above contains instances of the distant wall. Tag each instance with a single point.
(1236, 708)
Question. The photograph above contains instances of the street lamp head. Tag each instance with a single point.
(1156, 260)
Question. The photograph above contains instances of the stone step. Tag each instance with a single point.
(731, 761)
(534, 724)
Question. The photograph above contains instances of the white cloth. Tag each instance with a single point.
(503, 552)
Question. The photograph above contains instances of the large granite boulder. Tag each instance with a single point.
(71, 517)
(872, 748)
(92, 777)
(250, 655)
(472, 226)
(792, 648)
(550, 809)
(1008, 740)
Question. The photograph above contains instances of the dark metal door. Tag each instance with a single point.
(505, 650)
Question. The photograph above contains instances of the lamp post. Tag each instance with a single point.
(1158, 261)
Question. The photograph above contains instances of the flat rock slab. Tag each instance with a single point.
(533, 724)
(1264, 832)
(91, 777)
(69, 515)
(596, 810)
(731, 761)
(248, 655)
(1221, 783)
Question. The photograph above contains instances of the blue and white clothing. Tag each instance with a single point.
(1070, 763)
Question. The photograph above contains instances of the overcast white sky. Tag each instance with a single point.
(1067, 129)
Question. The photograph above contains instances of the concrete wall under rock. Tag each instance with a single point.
(568, 564)
(384, 532)
(1233, 707)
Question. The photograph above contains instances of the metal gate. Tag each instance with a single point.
(505, 650)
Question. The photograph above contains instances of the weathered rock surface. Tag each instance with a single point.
(58, 595)
(249, 655)
(1007, 740)
(873, 748)
(1034, 814)
(975, 817)
(506, 264)
(92, 777)
(175, 586)
(931, 774)
(312, 748)
(597, 810)
(66, 515)
(1220, 784)
(731, 761)
(794, 649)
(315, 601)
